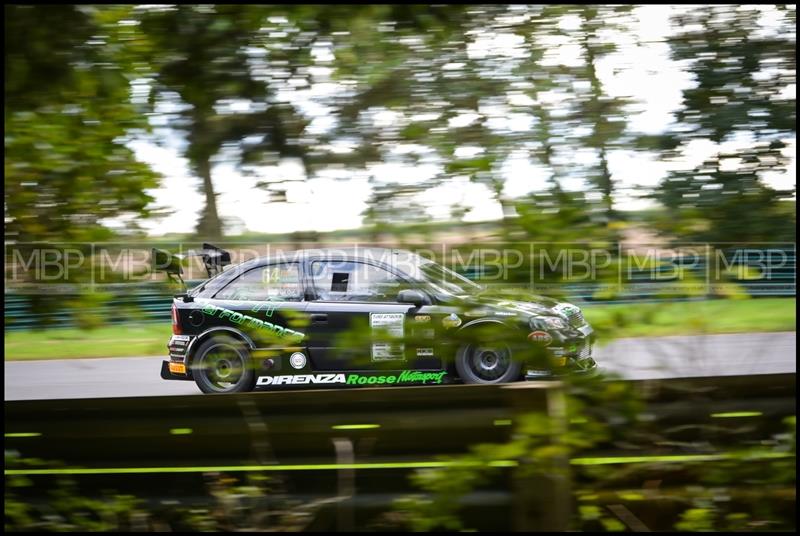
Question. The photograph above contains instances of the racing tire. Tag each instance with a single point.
(223, 365)
(486, 364)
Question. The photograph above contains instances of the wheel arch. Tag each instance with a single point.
(513, 346)
(484, 320)
(472, 324)
(212, 332)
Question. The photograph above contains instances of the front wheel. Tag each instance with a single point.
(477, 363)
(223, 365)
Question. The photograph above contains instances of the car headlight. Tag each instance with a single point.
(548, 322)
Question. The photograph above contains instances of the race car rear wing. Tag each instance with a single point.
(214, 259)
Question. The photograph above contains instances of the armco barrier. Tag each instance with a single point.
(317, 440)
(354, 449)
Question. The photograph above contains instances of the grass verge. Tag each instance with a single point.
(111, 341)
(693, 318)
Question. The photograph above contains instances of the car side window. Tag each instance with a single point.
(354, 281)
(276, 282)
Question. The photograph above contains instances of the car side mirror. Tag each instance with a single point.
(414, 296)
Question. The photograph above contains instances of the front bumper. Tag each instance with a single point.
(581, 367)
(570, 354)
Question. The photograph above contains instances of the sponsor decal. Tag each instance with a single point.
(392, 325)
(407, 376)
(244, 295)
(249, 321)
(419, 376)
(268, 308)
(384, 351)
(391, 322)
(359, 379)
(540, 336)
(301, 379)
(451, 321)
(297, 360)
(424, 352)
(422, 318)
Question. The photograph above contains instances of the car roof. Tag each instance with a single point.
(386, 256)
(354, 252)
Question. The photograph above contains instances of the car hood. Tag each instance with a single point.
(526, 305)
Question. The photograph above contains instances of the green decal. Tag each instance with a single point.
(407, 376)
(268, 309)
(239, 318)
(417, 376)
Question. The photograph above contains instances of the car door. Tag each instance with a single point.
(267, 303)
(356, 322)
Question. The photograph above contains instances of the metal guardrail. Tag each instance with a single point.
(315, 441)
(352, 450)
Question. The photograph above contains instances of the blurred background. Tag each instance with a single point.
(639, 161)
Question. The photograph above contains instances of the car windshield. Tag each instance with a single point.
(446, 281)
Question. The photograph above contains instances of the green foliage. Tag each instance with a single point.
(66, 509)
(87, 309)
(741, 70)
(230, 504)
(751, 488)
(198, 54)
(67, 118)
(712, 204)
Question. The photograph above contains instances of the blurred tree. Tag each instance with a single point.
(574, 112)
(67, 119)
(233, 75)
(717, 203)
(212, 67)
(465, 94)
(605, 114)
(405, 66)
(744, 63)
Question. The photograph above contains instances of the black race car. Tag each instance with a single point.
(356, 317)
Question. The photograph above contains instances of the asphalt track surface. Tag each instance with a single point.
(635, 358)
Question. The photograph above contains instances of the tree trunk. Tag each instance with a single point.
(209, 226)
(604, 183)
(547, 146)
(606, 187)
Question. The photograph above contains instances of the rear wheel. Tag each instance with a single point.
(223, 365)
(486, 363)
